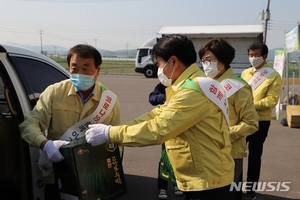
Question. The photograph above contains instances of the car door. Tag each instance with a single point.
(23, 79)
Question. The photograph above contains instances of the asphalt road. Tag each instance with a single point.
(280, 160)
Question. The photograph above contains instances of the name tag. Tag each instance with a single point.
(259, 77)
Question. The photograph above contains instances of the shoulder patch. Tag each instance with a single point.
(191, 84)
(103, 87)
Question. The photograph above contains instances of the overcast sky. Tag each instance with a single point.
(127, 24)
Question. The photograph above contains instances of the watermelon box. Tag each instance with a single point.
(90, 173)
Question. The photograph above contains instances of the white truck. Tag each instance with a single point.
(239, 36)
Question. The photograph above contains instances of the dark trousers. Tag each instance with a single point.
(161, 183)
(255, 148)
(239, 194)
(238, 178)
(52, 190)
(218, 193)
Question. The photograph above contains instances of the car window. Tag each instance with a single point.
(36, 75)
(142, 53)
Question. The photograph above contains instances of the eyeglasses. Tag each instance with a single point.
(207, 62)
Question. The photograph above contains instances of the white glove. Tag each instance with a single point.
(97, 134)
(52, 149)
(45, 164)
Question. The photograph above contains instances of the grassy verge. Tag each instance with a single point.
(119, 66)
(107, 66)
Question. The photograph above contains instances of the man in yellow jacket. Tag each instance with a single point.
(266, 86)
(193, 127)
(67, 105)
(216, 56)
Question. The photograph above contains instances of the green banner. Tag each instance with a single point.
(165, 168)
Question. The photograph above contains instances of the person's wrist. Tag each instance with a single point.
(107, 132)
(43, 144)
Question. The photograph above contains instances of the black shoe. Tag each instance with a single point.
(251, 196)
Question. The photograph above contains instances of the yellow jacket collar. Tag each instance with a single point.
(185, 75)
(228, 73)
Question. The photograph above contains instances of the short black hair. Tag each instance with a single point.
(175, 45)
(223, 51)
(259, 45)
(85, 51)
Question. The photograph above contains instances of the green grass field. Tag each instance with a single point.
(118, 66)
(107, 66)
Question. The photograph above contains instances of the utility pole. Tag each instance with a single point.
(41, 32)
(265, 16)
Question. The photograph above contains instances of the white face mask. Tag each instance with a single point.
(162, 77)
(256, 61)
(210, 69)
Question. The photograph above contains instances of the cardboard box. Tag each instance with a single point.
(90, 173)
(293, 116)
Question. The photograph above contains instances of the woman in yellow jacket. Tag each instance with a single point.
(194, 129)
(216, 56)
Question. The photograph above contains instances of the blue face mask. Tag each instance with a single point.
(82, 82)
